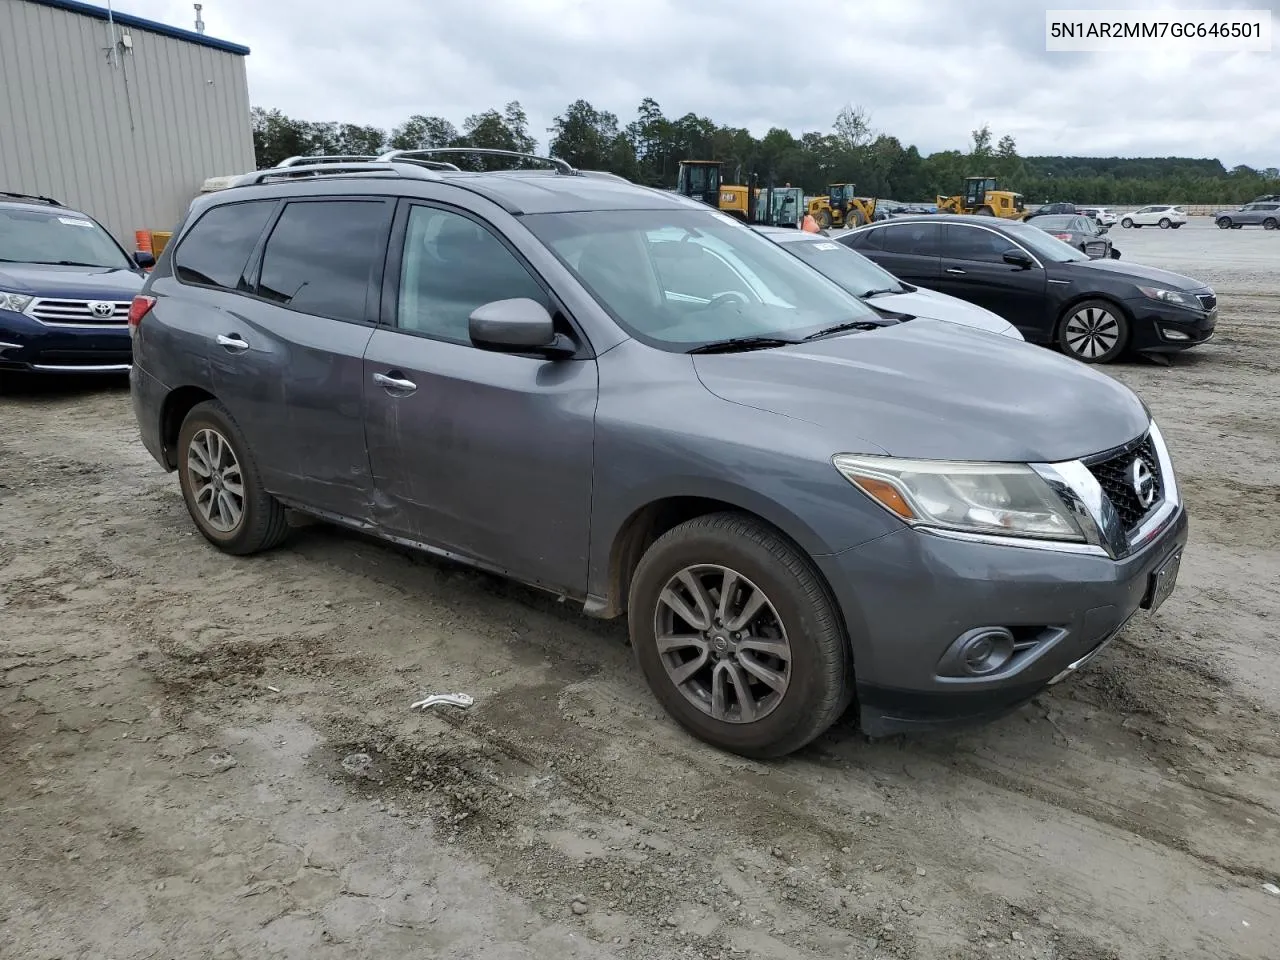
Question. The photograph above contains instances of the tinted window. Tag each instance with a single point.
(974, 243)
(451, 265)
(322, 256)
(864, 239)
(214, 252)
(919, 239)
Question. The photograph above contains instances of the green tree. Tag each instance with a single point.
(423, 133)
(584, 136)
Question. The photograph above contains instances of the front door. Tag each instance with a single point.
(288, 360)
(483, 454)
(974, 269)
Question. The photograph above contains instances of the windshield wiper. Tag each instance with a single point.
(67, 263)
(854, 325)
(879, 293)
(736, 344)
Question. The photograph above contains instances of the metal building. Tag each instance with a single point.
(119, 116)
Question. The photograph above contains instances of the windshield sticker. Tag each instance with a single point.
(74, 222)
(826, 246)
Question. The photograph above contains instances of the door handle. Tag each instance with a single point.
(233, 342)
(954, 270)
(394, 383)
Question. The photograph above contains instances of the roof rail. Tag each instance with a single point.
(29, 196)
(411, 156)
(325, 158)
(408, 170)
(603, 175)
(562, 166)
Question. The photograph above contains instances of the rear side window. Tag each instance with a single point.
(917, 239)
(215, 251)
(323, 256)
(864, 239)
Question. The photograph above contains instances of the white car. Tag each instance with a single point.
(1160, 215)
(1101, 214)
(879, 288)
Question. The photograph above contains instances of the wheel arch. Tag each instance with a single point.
(1080, 298)
(173, 411)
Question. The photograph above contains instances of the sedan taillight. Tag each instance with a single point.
(140, 307)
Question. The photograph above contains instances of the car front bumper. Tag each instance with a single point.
(1163, 328)
(908, 597)
(30, 346)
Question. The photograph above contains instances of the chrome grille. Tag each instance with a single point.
(80, 313)
(1207, 300)
(1115, 476)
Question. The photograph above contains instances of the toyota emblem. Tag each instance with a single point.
(102, 308)
(1144, 482)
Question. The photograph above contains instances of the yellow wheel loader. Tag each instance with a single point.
(840, 208)
(982, 198)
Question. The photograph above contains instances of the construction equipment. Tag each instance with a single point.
(840, 208)
(982, 197)
(703, 180)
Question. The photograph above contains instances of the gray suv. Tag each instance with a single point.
(1263, 213)
(629, 399)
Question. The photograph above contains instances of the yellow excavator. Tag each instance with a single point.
(982, 197)
(840, 208)
(703, 180)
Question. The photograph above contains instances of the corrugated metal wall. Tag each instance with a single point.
(129, 144)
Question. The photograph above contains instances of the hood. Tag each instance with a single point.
(938, 306)
(1140, 273)
(72, 283)
(932, 390)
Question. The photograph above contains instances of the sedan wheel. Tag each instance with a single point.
(1095, 331)
(737, 636)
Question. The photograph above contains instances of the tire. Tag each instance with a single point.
(824, 219)
(855, 220)
(1165, 223)
(984, 212)
(1270, 223)
(1126, 223)
(1177, 226)
(1093, 331)
(261, 523)
(818, 667)
(1224, 223)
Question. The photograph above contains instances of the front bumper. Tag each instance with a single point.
(29, 346)
(1163, 328)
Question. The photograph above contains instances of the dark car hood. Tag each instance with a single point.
(1140, 273)
(83, 283)
(933, 390)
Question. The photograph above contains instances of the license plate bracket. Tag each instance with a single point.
(1162, 582)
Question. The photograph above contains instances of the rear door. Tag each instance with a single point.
(910, 251)
(289, 362)
(973, 269)
(483, 454)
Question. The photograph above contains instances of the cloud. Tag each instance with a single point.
(927, 73)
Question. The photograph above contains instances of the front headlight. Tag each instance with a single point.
(17, 302)
(1171, 296)
(1004, 499)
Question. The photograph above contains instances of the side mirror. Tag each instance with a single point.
(1115, 254)
(517, 326)
(1017, 258)
(144, 259)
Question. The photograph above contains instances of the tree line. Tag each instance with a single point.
(649, 149)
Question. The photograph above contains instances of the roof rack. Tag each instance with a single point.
(562, 166)
(408, 170)
(29, 196)
(603, 175)
(326, 158)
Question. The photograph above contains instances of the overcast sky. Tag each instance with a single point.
(927, 72)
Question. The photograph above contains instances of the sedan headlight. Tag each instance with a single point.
(17, 302)
(1004, 499)
(1171, 296)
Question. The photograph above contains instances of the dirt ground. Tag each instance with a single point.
(177, 731)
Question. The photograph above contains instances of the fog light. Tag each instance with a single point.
(1175, 335)
(986, 650)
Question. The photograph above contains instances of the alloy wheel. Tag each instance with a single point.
(722, 643)
(217, 486)
(1092, 332)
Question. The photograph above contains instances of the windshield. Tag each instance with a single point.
(681, 279)
(1041, 244)
(1055, 222)
(846, 267)
(56, 236)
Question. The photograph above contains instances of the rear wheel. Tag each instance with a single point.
(221, 485)
(1176, 226)
(824, 219)
(1095, 331)
(737, 636)
(985, 212)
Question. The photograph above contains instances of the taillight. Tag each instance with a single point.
(1060, 236)
(140, 307)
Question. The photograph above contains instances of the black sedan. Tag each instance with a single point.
(1083, 233)
(1094, 310)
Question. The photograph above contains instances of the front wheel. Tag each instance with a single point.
(824, 219)
(737, 636)
(1094, 331)
(1126, 223)
(1176, 226)
(1270, 223)
(221, 485)
(1224, 223)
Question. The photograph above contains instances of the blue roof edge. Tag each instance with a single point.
(128, 20)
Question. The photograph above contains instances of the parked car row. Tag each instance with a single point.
(629, 399)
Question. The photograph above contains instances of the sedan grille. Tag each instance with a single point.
(1207, 300)
(81, 313)
(1119, 476)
